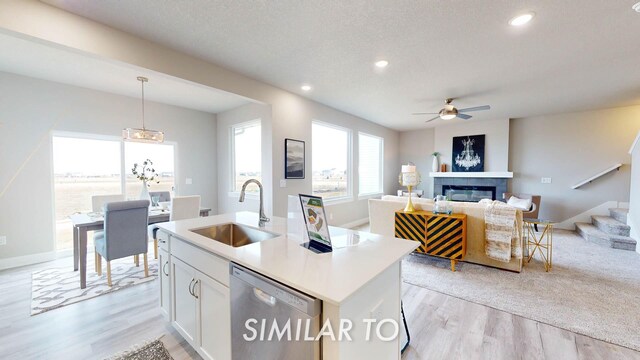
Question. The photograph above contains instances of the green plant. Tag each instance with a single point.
(145, 172)
(436, 154)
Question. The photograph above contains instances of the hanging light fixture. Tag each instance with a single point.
(144, 134)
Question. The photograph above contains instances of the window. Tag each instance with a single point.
(87, 165)
(162, 157)
(330, 161)
(370, 160)
(82, 167)
(246, 148)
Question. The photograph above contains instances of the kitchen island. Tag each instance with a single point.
(357, 283)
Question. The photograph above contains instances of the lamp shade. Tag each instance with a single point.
(408, 168)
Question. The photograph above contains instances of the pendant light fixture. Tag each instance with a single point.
(142, 135)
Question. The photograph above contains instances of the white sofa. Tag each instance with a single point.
(382, 215)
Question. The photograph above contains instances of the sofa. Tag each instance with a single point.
(381, 220)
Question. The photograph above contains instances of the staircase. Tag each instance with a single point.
(610, 231)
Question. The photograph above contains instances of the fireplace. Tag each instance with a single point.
(471, 189)
(469, 193)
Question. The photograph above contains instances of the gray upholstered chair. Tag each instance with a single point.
(125, 234)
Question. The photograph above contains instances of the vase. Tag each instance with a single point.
(436, 166)
(144, 193)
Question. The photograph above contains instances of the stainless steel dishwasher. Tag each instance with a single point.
(259, 306)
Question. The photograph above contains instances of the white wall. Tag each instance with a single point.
(291, 114)
(227, 201)
(634, 192)
(570, 148)
(496, 148)
(30, 109)
(416, 147)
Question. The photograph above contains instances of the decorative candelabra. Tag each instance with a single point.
(409, 177)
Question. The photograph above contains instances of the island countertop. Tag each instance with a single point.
(331, 277)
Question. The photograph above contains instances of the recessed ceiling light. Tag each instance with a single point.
(305, 87)
(382, 63)
(521, 19)
(636, 7)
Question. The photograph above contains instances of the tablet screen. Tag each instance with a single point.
(315, 219)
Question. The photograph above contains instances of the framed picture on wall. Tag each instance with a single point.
(293, 159)
(468, 154)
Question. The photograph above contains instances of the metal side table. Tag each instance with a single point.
(542, 243)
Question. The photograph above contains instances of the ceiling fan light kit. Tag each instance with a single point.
(449, 112)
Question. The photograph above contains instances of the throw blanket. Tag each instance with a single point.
(502, 235)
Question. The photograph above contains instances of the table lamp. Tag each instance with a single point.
(409, 177)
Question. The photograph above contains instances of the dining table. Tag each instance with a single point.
(93, 221)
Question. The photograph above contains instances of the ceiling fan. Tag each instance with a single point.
(449, 111)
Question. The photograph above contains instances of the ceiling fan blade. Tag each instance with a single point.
(475, 108)
(464, 116)
(437, 117)
(424, 113)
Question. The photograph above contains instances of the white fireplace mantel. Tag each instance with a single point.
(488, 174)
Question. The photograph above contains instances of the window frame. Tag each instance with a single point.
(380, 190)
(232, 156)
(349, 196)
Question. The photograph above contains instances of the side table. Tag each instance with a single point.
(542, 243)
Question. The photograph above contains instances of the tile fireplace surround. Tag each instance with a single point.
(440, 184)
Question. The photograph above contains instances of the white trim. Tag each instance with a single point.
(350, 172)
(487, 174)
(635, 142)
(352, 224)
(232, 150)
(381, 164)
(17, 261)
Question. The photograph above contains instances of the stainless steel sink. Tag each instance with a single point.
(235, 235)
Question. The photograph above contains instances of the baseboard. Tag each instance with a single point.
(602, 209)
(351, 225)
(17, 261)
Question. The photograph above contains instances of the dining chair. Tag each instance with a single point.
(182, 207)
(125, 234)
(162, 195)
(98, 201)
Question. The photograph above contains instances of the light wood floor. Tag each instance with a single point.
(442, 327)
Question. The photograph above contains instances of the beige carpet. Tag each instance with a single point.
(591, 290)
(58, 287)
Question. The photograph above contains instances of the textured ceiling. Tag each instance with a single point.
(574, 55)
(41, 61)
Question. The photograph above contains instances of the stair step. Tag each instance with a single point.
(610, 225)
(594, 235)
(619, 214)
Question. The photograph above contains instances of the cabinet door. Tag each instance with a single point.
(165, 283)
(184, 302)
(214, 319)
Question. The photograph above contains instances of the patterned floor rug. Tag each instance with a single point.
(58, 287)
(153, 350)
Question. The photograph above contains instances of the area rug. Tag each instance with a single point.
(591, 290)
(58, 287)
(152, 350)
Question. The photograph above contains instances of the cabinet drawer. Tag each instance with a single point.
(207, 263)
(163, 240)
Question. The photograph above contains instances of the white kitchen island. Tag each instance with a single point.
(356, 283)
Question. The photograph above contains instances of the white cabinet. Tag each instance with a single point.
(184, 300)
(201, 311)
(165, 283)
(214, 318)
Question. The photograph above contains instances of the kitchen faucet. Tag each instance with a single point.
(263, 218)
